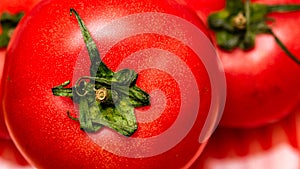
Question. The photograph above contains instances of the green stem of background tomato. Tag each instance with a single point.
(237, 25)
(8, 23)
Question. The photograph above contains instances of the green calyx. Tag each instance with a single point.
(105, 98)
(8, 23)
(237, 25)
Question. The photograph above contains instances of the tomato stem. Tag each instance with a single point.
(240, 21)
(283, 8)
(105, 98)
(237, 25)
(285, 49)
(101, 94)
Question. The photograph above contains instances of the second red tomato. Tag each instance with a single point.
(263, 82)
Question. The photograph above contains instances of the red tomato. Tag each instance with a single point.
(273, 146)
(10, 157)
(13, 7)
(263, 83)
(158, 39)
(3, 129)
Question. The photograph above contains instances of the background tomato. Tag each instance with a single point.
(262, 83)
(150, 37)
(3, 129)
(10, 157)
(273, 146)
(13, 7)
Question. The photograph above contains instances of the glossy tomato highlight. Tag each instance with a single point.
(272, 146)
(163, 42)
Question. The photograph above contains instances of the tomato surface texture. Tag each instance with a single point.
(263, 82)
(10, 156)
(12, 7)
(271, 146)
(161, 40)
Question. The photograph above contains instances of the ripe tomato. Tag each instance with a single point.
(3, 129)
(15, 6)
(273, 146)
(12, 7)
(263, 83)
(161, 40)
(10, 157)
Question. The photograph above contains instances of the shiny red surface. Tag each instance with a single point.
(10, 158)
(262, 83)
(11, 6)
(275, 146)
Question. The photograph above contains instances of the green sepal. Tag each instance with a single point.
(138, 97)
(125, 77)
(234, 6)
(227, 40)
(219, 21)
(120, 118)
(87, 112)
(61, 90)
(98, 68)
(248, 42)
(94, 115)
(116, 109)
(228, 34)
(8, 24)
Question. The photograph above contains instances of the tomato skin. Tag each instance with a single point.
(10, 157)
(13, 7)
(3, 130)
(262, 83)
(272, 146)
(37, 120)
